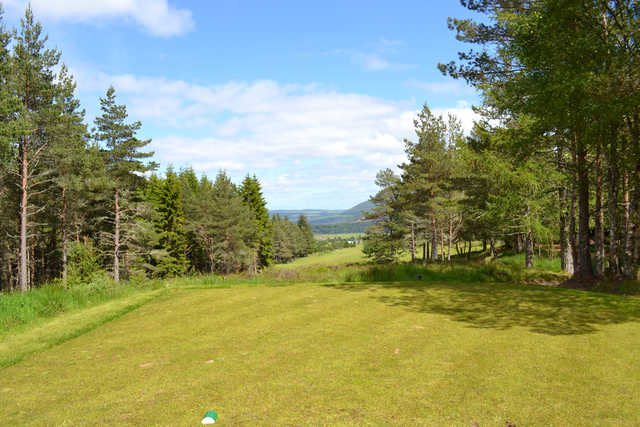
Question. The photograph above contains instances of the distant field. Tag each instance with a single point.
(352, 255)
(338, 236)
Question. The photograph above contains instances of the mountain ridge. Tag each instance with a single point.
(331, 221)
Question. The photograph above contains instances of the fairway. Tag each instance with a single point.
(404, 354)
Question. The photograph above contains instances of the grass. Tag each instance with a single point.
(18, 344)
(340, 257)
(20, 310)
(398, 353)
(338, 236)
(350, 343)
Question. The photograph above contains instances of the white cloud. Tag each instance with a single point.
(301, 140)
(448, 87)
(155, 16)
(373, 61)
(463, 112)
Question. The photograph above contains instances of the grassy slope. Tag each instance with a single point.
(429, 354)
(44, 334)
(338, 257)
(437, 353)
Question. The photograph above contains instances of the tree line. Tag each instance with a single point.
(78, 201)
(555, 157)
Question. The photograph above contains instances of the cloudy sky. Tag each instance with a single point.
(313, 99)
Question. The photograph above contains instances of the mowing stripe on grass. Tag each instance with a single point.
(403, 354)
(16, 347)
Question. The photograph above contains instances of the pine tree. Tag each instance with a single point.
(70, 159)
(252, 195)
(384, 240)
(33, 80)
(122, 158)
(307, 235)
(9, 129)
(424, 175)
(170, 226)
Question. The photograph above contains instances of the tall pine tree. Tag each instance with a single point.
(251, 193)
(123, 160)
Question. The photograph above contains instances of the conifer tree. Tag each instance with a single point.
(425, 174)
(122, 158)
(170, 226)
(384, 240)
(252, 195)
(9, 128)
(307, 235)
(70, 159)
(33, 80)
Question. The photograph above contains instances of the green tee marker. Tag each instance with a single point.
(210, 418)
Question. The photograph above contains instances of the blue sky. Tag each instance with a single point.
(313, 99)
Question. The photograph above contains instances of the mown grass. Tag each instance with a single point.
(338, 236)
(340, 257)
(409, 353)
(18, 311)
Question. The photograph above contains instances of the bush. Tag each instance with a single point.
(83, 264)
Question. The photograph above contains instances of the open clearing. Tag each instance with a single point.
(409, 354)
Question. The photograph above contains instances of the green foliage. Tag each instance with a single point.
(120, 144)
(384, 240)
(288, 240)
(341, 228)
(221, 226)
(84, 263)
(166, 197)
(251, 194)
(307, 236)
(334, 242)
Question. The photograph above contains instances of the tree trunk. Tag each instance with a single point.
(424, 252)
(442, 245)
(484, 245)
(492, 248)
(63, 220)
(450, 237)
(614, 263)
(116, 240)
(573, 239)
(413, 243)
(519, 245)
(528, 248)
(23, 265)
(599, 218)
(634, 131)
(566, 251)
(434, 239)
(628, 271)
(584, 270)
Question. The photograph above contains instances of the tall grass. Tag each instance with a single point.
(18, 310)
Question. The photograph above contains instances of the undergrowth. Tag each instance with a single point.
(20, 309)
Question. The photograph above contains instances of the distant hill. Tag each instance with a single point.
(331, 221)
(357, 211)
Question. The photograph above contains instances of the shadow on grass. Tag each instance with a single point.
(540, 309)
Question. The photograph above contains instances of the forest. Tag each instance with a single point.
(552, 166)
(83, 200)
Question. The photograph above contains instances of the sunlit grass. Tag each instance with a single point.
(354, 354)
(344, 256)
